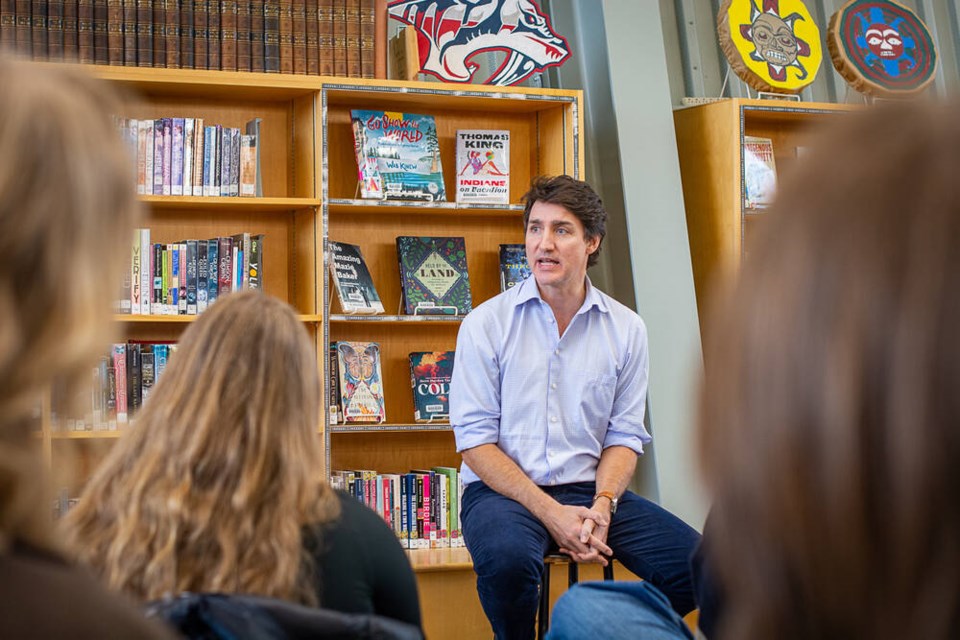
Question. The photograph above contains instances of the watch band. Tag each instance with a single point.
(609, 495)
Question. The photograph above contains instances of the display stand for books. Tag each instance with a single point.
(788, 97)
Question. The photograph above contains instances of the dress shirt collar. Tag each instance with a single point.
(528, 290)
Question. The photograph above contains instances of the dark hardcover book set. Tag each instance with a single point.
(285, 36)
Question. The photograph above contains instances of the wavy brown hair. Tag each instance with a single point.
(222, 471)
(67, 211)
(830, 422)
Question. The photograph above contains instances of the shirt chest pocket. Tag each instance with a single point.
(596, 394)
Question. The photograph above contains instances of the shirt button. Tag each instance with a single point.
(553, 385)
(556, 352)
(553, 418)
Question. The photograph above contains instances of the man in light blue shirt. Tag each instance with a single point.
(547, 404)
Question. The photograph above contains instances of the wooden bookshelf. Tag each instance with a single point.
(710, 146)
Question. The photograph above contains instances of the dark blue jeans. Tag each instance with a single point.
(508, 544)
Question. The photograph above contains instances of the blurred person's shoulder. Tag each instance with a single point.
(42, 596)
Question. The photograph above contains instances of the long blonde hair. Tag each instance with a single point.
(222, 471)
(67, 211)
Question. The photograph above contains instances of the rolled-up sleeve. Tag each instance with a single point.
(475, 387)
(626, 418)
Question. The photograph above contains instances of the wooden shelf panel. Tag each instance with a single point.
(227, 85)
(396, 453)
(119, 317)
(195, 203)
(447, 559)
(401, 319)
(389, 427)
(344, 206)
(87, 435)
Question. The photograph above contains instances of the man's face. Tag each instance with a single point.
(557, 246)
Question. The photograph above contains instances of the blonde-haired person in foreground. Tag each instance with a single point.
(67, 211)
(830, 421)
(218, 487)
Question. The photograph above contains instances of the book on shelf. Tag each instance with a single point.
(514, 267)
(398, 156)
(430, 375)
(433, 275)
(759, 172)
(361, 382)
(483, 166)
(352, 280)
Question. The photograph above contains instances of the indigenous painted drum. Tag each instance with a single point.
(772, 45)
(881, 48)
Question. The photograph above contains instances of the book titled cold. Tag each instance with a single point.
(361, 382)
(514, 268)
(352, 278)
(398, 156)
(433, 275)
(430, 375)
(483, 166)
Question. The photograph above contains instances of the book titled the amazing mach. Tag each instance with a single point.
(361, 382)
(398, 156)
(353, 281)
(433, 275)
(483, 166)
(430, 375)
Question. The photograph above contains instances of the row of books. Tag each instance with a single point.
(315, 37)
(120, 384)
(186, 157)
(422, 506)
(433, 275)
(356, 383)
(398, 158)
(187, 276)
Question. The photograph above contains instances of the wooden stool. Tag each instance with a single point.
(573, 576)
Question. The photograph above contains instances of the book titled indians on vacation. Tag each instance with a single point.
(430, 375)
(433, 275)
(398, 156)
(483, 166)
(361, 382)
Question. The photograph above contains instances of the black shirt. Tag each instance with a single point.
(361, 567)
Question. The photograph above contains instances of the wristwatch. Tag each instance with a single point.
(609, 495)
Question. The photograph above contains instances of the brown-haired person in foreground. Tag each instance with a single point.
(830, 419)
(67, 212)
(218, 486)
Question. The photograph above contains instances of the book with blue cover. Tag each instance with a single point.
(430, 375)
(433, 275)
(514, 267)
(398, 156)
